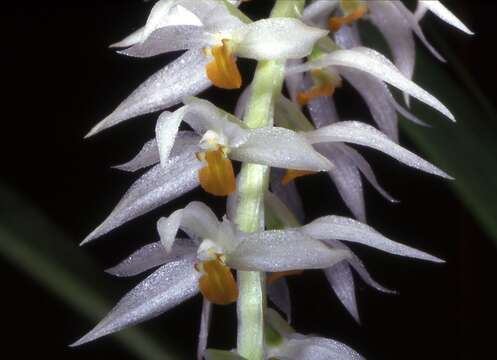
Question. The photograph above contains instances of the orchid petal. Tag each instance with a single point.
(342, 281)
(374, 63)
(303, 347)
(277, 38)
(294, 81)
(323, 111)
(129, 40)
(279, 147)
(279, 294)
(156, 187)
(445, 14)
(171, 38)
(364, 168)
(205, 320)
(319, 10)
(363, 134)
(289, 115)
(241, 104)
(417, 29)
(396, 31)
(347, 179)
(167, 287)
(149, 154)
(342, 228)
(165, 132)
(151, 256)
(183, 77)
(196, 219)
(282, 250)
(378, 99)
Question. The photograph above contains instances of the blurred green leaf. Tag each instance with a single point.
(35, 245)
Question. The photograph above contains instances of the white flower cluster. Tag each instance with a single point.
(322, 48)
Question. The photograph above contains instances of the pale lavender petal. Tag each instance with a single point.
(365, 169)
(322, 109)
(282, 250)
(378, 99)
(293, 82)
(359, 267)
(151, 256)
(167, 287)
(288, 194)
(346, 229)
(348, 37)
(170, 38)
(346, 178)
(396, 31)
(363, 134)
(149, 154)
(183, 77)
(420, 12)
(156, 187)
(342, 281)
(205, 321)
(279, 294)
(242, 102)
(416, 28)
(304, 347)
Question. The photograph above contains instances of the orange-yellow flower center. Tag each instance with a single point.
(217, 283)
(222, 70)
(336, 22)
(291, 175)
(217, 177)
(324, 85)
(271, 278)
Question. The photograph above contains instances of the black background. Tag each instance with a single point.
(60, 79)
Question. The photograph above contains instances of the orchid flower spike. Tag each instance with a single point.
(202, 264)
(225, 138)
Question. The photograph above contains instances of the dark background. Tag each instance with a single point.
(61, 79)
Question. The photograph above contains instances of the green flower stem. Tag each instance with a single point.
(253, 182)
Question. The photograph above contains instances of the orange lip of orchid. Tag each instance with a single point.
(222, 70)
(336, 22)
(323, 86)
(217, 283)
(291, 175)
(217, 177)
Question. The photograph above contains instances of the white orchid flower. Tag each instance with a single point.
(224, 138)
(368, 61)
(202, 264)
(213, 38)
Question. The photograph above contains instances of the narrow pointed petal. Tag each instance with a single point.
(282, 250)
(205, 321)
(396, 31)
(359, 267)
(241, 104)
(279, 147)
(171, 38)
(183, 77)
(197, 220)
(347, 180)
(364, 167)
(408, 115)
(151, 256)
(342, 281)
(445, 14)
(165, 132)
(378, 99)
(129, 40)
(420, 12)
(288, 194)
(277, 38)
(346, 229)
(359, 133)
(279, 294)
(322, 109)
(167, 287)
(149, 154)
(410, 18)
(156, 187)
(374, 63)
(303, 347)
